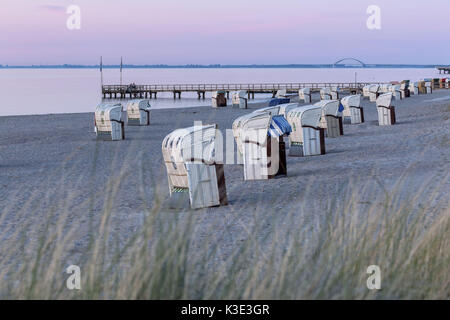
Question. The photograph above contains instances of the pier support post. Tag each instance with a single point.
(203, 95)
(253, 95)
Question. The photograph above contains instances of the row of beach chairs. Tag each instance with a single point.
(263, 137)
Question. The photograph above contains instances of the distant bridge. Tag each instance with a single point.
(362, 64)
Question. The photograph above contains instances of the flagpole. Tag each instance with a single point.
(121, 64)
(101, 72)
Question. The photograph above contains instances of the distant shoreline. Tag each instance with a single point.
(218, 66)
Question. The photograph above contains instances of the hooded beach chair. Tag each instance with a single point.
(331, 119)
(240, 99)
(414, 88)
(404, 89)
(282, 94)
(374, 92)
(396, 92)
(285, 108)
(138, 112)
(273, 110)
(219, 99)
(385, 88)
(264, 153)
(109, 124)
(386, 110)
(353, 109)
(329, 93)
(189, 155)
(307, 137)
(429, 87)
(305, 95)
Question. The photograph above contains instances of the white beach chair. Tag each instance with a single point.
(138, 113)
(331, 119)
(414, 88)
(396, 92)
(374, 92)
(385, 88)
(219, 99)
(404, 89)
(366, 92)
(386, 110)
(353, 109)
(307, 137)
(329, 93)
(429, 87)
(240, 99)
(189, 155)
(109, 124)
(282, 94)
(305, 95)
(263, 148)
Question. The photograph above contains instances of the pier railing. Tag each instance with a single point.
(230, 87)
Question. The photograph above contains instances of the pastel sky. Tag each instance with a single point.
(225, 32)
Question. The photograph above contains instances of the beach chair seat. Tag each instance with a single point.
(307, 137)
(331, 119)
(193, 173)
(304, 95)
(353, 109)
(138, 113)
(261, 138)
(108, 121)
(219, 99)
(386, 110)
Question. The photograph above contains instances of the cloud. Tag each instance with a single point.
(52, 7)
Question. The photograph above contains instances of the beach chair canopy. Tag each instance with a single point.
(351, 101)
(136, 105)
(285, 108)
(274, 110)
(215, 94)
(108, 111)
(193, 144)
(374, 88)
(330, 107)
(281, 93)
(385, 100)
(243, 94)
(304, 91)
(309, 115)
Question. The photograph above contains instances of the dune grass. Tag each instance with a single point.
(165, 258)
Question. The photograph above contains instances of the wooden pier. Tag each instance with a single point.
(445, 70)
(151, 91)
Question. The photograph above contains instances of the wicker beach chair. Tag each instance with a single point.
(138, 113)
(305, 95)
(240, 99)
(108, 121)
(193, 172)
(219, 99)
(353, 109)
(307, 137)
(264, 153)
(386, 110)
(331, 119)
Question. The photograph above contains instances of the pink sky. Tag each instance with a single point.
(225, 32)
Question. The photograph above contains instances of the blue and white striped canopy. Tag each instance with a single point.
(279, 126)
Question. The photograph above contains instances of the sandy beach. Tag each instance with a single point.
(52, 165)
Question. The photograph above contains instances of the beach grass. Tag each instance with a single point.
(166, 257)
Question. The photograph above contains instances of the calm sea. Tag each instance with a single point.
(43, 91)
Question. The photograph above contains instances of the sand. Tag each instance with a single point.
(52, 164)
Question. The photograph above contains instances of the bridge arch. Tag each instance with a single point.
(350, 59)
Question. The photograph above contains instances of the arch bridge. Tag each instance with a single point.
(359, 62)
